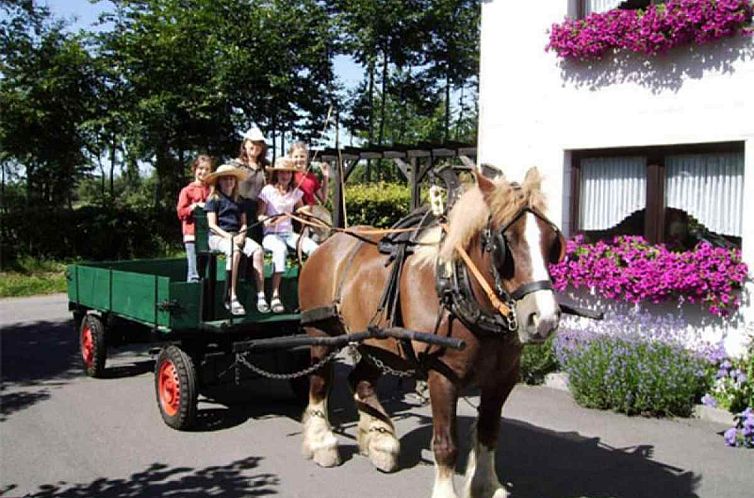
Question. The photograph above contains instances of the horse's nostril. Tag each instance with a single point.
(533, 320)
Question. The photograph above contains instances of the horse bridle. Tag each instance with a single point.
(496, 242)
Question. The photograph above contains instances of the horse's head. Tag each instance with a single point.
(512, 242)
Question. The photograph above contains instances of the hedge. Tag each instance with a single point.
(122, 232)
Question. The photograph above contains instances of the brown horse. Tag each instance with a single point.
(353, 272)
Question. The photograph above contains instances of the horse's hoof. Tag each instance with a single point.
(323, 452)
(326, 457)
(383, 452)
(488, 492)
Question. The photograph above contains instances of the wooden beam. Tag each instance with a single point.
(402, 166)
(467, 161)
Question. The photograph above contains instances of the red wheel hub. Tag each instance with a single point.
(87, 345)
(169, 388)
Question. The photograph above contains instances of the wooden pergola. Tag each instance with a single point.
(414, 162)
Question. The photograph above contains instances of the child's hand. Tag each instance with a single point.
(324, 167)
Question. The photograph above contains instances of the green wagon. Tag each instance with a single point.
(122, 302)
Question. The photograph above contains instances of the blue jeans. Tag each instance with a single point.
(193, 275)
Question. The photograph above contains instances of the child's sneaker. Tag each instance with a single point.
(262, 305)
(236, 308)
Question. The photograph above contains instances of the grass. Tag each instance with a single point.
(28, 277)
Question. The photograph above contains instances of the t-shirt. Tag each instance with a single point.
(250, 187)
(308, 184)
(227, 210)
(277, 203)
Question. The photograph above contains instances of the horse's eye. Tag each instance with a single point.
(558, 249)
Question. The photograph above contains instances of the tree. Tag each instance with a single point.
(47, 91)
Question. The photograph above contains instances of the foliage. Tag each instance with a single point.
(733, 385)
(47, 91)
(90, 232)
(742, 434)
(630, 269)
(651, 31)
(378, 204)
(633, 376)
(537, 361)
(29, 277)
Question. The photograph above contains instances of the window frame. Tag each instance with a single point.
(581, 7)
(654, 211)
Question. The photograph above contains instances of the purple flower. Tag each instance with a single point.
(731, 436)
(708, 400)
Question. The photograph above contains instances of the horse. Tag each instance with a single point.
(502, 227)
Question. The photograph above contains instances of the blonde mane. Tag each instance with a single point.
(471, 212)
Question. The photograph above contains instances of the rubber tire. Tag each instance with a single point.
(96, 365)
(185, 378)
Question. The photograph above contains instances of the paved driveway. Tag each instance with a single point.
(65, 435)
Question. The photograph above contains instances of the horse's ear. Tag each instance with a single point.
(486, 185)
(532, 179)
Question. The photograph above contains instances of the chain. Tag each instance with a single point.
(386, 369)
(241, 358)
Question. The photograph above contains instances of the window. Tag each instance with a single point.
(676, 195)
(588, 6)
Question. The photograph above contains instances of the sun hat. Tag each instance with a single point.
(254, 134)
(284, 163)
(225, 170)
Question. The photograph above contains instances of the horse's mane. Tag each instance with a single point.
(470, 213)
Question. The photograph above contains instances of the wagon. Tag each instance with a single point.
(115, 303)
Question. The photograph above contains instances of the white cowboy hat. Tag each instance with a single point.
(254, 134)
(284, 163)
(225, 170)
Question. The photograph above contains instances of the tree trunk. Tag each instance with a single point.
(384, 96)
(446, 134)
(370, 138)
(460, 114)
(113, 149)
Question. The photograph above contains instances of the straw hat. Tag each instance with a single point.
(254, 134)
(284, 163)
(225, 170)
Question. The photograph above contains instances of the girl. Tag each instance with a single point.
(227, 223)
(314, 191)
(192, 196)
(278, 197)
(252, 160)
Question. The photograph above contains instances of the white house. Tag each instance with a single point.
(628, 142)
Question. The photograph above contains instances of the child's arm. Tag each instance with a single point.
(184, 207)
(324, 187)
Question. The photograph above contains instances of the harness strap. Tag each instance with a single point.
(496, 302)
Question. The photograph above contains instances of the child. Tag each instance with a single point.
(252, 160)
(306, 181)
(192, 196)
(278, 197)
(227, 223)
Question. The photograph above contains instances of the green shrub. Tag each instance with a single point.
(635, 377)
(538, 360)
(377, 204)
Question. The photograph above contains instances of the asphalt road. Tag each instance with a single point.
(65, 435)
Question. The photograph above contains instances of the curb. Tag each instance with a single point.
(559, 381)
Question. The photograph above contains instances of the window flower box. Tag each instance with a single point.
(652, 31)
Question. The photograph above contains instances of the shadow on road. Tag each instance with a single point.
(233, 480)
(536, 462)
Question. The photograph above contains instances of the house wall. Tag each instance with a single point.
(535, 108)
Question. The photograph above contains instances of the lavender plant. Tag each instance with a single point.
(632, 376)
(742, 435)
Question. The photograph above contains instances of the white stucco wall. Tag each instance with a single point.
(535, 108)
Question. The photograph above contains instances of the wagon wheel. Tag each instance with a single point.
(92, 345)
(176, 388)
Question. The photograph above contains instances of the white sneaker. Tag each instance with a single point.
(236, 308)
